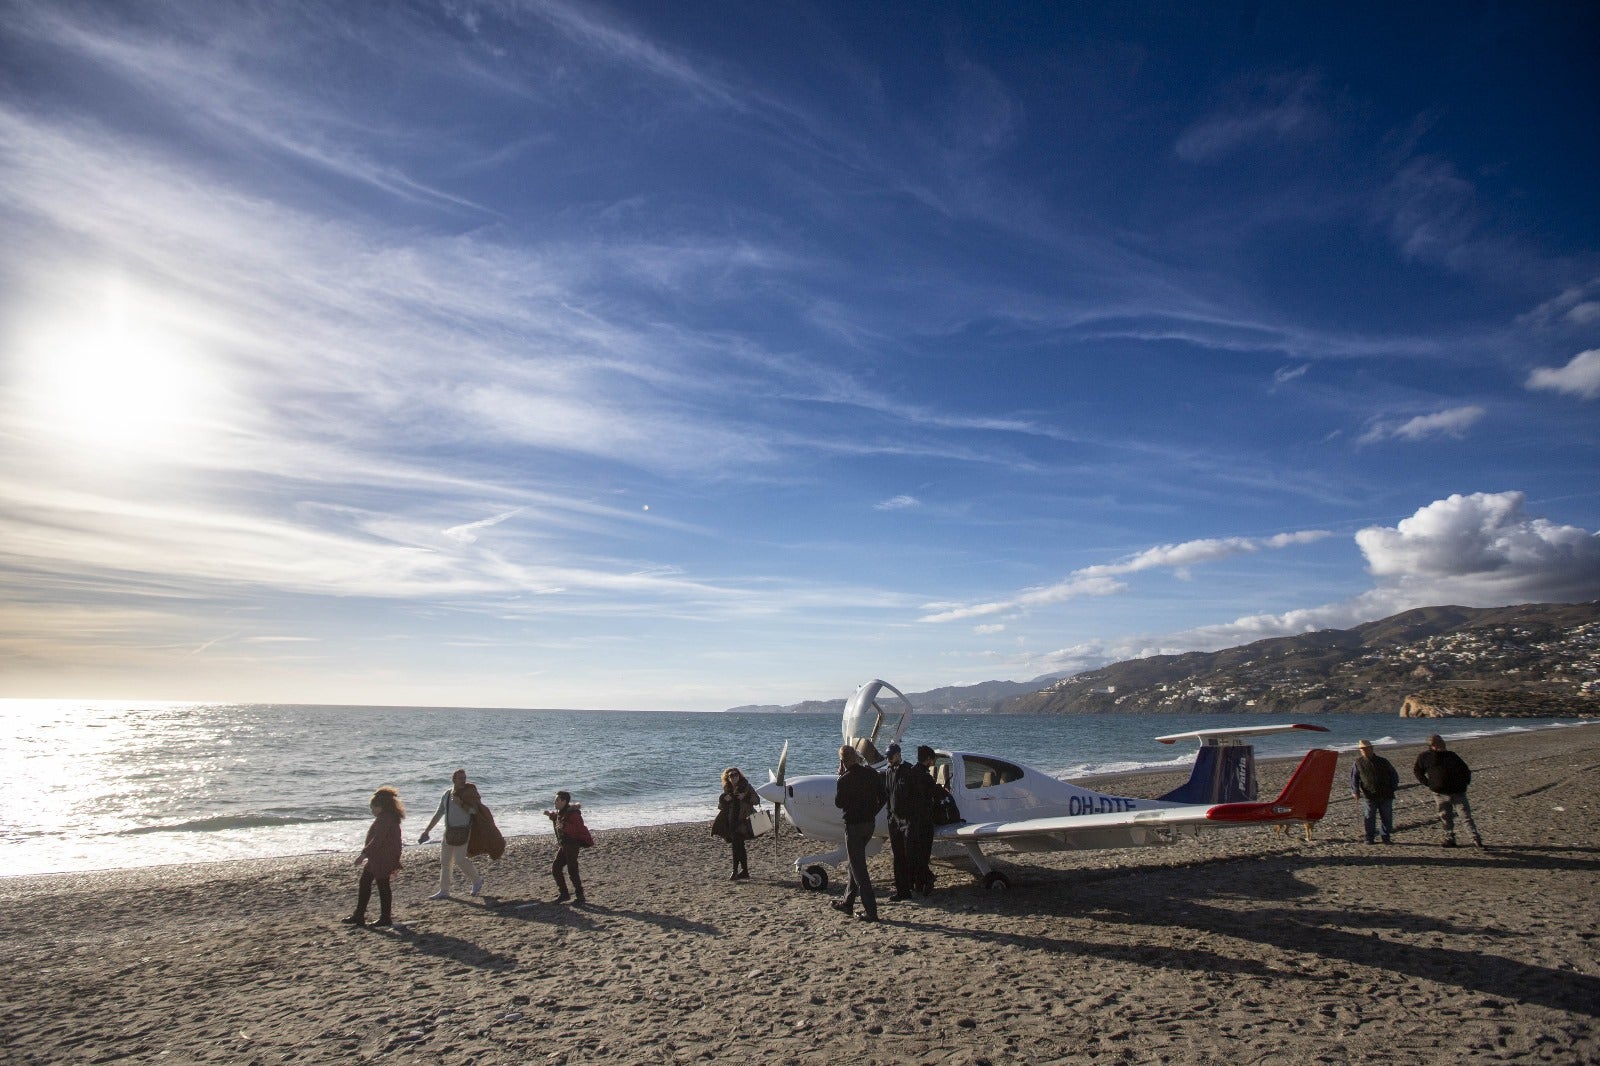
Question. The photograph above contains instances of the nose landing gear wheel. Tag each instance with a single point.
(814, 878)
(997, 881)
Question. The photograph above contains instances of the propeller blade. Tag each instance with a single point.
(777, 805)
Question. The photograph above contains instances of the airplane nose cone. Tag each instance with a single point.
(772, 792)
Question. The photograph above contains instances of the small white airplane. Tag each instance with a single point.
(1005, 802)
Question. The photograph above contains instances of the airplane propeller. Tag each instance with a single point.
(777, 804)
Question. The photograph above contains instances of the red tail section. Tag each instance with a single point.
(1304, 798)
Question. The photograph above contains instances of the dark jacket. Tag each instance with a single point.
(383, 845)
(859, 794)
(734, 811)
(1374, 777)
(1443, 771)
(914, 801)
(894, 789)
(485, 837)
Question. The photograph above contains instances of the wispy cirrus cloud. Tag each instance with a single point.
(1102, 580)
(1450, 423)
(897, 503)
(1280, 110)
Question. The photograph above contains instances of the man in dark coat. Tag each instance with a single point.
(894, 788)
(1373, 781)
(917, 809)
(859, 794)
(1446, 774)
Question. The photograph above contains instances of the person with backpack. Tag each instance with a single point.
(571, 834)
(1373, 781)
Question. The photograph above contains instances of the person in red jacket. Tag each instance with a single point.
(381, 856)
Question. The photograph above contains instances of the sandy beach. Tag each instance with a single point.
(1248, 946)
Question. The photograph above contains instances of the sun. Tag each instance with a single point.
(120, 377)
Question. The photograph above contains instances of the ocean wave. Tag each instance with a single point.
(226, 822)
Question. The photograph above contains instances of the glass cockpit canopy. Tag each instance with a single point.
(875, 717)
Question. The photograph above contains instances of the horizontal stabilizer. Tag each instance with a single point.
(1236, 733)
(1304, 798)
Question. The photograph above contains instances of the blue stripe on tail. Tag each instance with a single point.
(1223, 773)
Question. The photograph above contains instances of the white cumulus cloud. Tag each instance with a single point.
(1580, 377)
(1480, 550)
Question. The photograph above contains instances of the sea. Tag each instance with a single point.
(93, 785)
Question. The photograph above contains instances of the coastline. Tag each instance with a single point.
(1246, 945)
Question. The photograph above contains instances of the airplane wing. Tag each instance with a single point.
(1237, 732)
(1304, 799)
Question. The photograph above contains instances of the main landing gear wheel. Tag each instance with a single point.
(814, 878)
(996, 880)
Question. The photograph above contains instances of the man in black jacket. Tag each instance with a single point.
(917, 808)
(1373, 781)
(894, 790)
(1447, 776)
(859, 794)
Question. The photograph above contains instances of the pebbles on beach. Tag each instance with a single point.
(1244, 946)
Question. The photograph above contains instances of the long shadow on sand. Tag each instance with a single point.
(453, 948)
(1187, 897)
(588, 914)
(664, 921)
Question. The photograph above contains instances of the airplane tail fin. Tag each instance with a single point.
(1303, 799)
(1221, 774)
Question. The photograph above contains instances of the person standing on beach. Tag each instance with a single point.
(571, 834)
(381, 856)
(1373, 781)
(734, 808)
(917, 808)
(1447, 775)
(859, 794)
(456, 807)
(894, 790)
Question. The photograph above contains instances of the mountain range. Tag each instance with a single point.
(1529, 659)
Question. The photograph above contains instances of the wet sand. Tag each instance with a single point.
(1247, 946)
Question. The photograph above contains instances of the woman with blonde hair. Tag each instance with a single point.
(381, 856)
(734, 808)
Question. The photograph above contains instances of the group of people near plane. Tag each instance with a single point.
(906, 789)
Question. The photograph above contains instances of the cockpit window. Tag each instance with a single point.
(941, 771)
(983, 772)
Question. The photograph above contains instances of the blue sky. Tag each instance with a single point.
(686, 355)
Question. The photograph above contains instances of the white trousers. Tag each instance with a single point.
(454, 855)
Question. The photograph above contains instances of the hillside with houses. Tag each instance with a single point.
(1531, 659)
